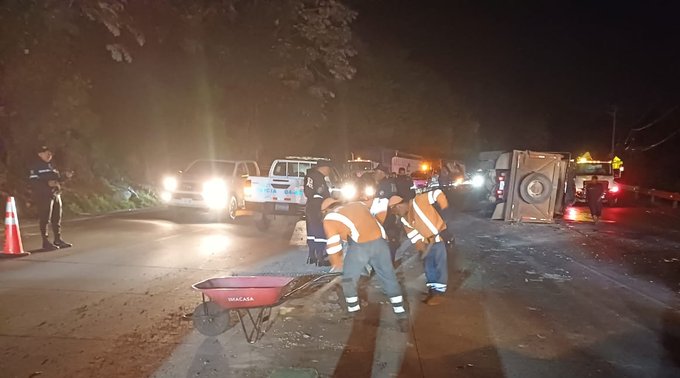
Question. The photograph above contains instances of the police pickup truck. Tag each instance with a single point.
(282, 191)
(216, 186)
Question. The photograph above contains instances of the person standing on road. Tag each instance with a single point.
(316, 189)
(366, 245)
(424, 227)
(46, 187)
(594, 193)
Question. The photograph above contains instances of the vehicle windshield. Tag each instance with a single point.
(598, 169)
(355, 166)
(204, 168)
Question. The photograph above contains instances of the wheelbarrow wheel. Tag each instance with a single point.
(210, 319)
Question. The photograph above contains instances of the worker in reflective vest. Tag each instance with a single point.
(366, 244)
(423, 226)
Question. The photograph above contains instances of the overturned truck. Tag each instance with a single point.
(529, 186)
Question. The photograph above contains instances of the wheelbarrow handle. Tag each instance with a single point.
(310, 283)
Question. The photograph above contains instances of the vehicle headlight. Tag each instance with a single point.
(369, 191)
(349, 191)
(477, 181)
(170, 183)
(215, 193)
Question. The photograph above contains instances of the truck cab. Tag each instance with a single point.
(585, 169)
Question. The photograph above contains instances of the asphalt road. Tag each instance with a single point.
(112, 304)
(571, 299)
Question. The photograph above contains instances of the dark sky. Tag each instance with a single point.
(559, 66)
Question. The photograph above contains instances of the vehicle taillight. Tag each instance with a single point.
(248, 188)
(614, 189)
(501, 185)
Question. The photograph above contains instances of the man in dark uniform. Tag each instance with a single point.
(317, 188)
(405, 185)
(46, 186)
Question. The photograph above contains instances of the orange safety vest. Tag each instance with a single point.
(423, 222)
(351, 221)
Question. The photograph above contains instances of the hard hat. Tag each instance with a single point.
(328, 202)
(394, 200)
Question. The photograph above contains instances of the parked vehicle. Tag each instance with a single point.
(584, 169)
(210, 185)
(281, 192)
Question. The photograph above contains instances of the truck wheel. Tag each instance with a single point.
(535, 188)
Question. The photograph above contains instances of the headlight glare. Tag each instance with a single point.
(477, 181)
(170, 183)
(349, 191)
(215, 193)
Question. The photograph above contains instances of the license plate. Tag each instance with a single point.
(186, 201)
(281, 207)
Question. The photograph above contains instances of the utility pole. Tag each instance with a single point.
(615, 109)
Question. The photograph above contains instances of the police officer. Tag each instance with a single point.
(317, 188)
(46, 186)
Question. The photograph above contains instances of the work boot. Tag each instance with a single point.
(47, 246)
(62, 244)
(434, 298)
(323, 263)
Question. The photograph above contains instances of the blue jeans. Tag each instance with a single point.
(436, 270)
(377, 254)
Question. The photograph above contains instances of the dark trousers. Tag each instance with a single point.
(316, 236)
(49, 211)
(595, 206)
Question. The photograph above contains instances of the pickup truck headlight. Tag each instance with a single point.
(215, 193)
(369, 191)
(349, 191)
(170, 183)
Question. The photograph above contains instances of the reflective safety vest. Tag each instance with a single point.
(423, 222)
(351, 222)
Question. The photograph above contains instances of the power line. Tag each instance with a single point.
(669, 112)
(664, 140)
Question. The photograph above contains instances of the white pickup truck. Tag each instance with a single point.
(282, 191)
(216, 186)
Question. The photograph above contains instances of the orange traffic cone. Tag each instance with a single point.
(13, 246)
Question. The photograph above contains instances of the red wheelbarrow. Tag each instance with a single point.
(251, 297)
